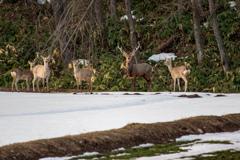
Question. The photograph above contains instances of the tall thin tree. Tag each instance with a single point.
(218, 36)
(60, 14)
(133, 36)
(113, 7)
(237, 4)
(180, 7)
(98, 5)
(196, 5)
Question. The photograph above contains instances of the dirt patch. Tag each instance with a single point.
(190, 96)
(220, 95)
(132, 94)
(128, 136)
(157, 93)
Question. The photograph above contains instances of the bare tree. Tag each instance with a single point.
(196, 5)
(238, 4)
(218, 36)
(180, 7)
(113, 7)
(98, 5)
(133, 36)
(60, 14)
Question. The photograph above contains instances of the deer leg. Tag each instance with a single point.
(38, 79)
(77, 84)
(149, 83)
(133, 80)
(81, 85)
(13, 84)
(186, 83)
(179, 84)
(47, 84)
(28, 84)
(34, 79)
(90, 86)
(174, 83)
(43, 85)
(16, 81)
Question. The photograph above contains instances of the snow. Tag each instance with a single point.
(202, 148)
(232, 4)
(125, 17)
(31, 116)
(162, 56)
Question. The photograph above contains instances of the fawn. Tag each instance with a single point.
(42, 71)
(22, 74)
(177, 73)
(82, 74)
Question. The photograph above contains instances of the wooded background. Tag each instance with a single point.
(203, 33)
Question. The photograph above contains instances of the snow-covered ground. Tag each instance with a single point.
(32, 116)
(194, 149)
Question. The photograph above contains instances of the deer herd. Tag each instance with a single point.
(38, 72)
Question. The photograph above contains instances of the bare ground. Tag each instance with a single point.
(128, 136)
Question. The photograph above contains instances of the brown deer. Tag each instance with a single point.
(22, 74)
(137, 70)
(177, 73)
(82, 74)
(41, 71)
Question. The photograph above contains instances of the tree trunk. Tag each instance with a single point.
(98, 5)
(27, 2)
(197, 29)
(218, 36)
(180, 7)
(113, 6)
(60, 11)
(237, 4)
(133, 36)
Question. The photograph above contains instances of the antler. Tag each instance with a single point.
(137, 47)
(123, 52)
(135, 50)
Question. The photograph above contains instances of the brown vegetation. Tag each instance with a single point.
(128, 136)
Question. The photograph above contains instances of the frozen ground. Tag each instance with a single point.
(197, 148)
(32, 116)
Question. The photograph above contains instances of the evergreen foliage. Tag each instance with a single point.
(25, 30)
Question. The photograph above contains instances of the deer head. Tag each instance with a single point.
(46, 59)
(168, 62)
(130, 55)
(32, 64)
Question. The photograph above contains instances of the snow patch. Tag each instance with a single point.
(162, 56)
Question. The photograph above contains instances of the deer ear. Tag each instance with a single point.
(42, 57)
(49, 56)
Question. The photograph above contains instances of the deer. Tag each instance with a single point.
(177, 73)
(41, 71)
(22, 74)
(137, 70)
(82, 74)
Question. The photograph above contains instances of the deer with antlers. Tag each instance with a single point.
(177, 73)
(137, 70)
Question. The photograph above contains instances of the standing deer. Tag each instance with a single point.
(22, 74)
(42, 71)
(137, 70)
(177, 73)
(82, 74)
